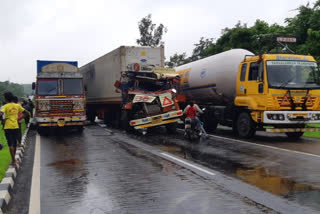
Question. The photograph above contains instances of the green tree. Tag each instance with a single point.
(150, 34)
(177, 60)
(14, 88)
(262, 37)
(199, 50)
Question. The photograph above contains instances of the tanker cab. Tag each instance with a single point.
(250, 78)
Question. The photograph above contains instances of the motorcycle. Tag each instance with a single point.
(193, 129)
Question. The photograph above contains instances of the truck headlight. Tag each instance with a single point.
(281, 117)
(276, 116)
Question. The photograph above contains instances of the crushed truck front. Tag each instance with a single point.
(149, 95)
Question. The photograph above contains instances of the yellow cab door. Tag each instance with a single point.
(254, 86)
(242, 86)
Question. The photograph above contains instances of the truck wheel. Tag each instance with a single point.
(245, 125)
(210, 126)
(210, 122)
(91, 116)
(172, 128)
(234, 128)
(124, 121)
(294, 135)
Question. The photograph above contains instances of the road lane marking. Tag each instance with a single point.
(186, 163)
(266, 146)
(34, 206)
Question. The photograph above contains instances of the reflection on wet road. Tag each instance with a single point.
(292, 176)
(96, 173)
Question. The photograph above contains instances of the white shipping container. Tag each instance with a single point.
(101, 74)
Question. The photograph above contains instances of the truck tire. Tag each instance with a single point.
(172, 128)
(245, 125)
(124, 121)
(91, 115)
(210, 123)
(294, 135)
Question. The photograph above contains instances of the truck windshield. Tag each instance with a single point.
(47, 87)
(293, 74)
(72, 86)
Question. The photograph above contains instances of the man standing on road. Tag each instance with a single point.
(11, 127)
(16, 100)
(31, 107)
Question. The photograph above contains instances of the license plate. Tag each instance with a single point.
(156, 120)
(300, 114)
(61, 123)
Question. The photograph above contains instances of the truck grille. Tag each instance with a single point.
(59, 106)
(152, 109)
(297, 100)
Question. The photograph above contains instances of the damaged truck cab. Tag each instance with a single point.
(149, 98)
(130, 88)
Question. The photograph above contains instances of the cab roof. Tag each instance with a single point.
(284, 57)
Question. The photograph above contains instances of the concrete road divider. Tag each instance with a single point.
(7, 182)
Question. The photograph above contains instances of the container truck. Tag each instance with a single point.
(271, 92)
(130, 88)
(59, 95)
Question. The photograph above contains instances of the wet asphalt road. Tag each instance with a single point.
(269, 162)
(99, 171)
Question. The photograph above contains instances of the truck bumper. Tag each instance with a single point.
(157, 124)
(282, 130)
(66, 124)
(291, 117)
(61, 121)
(157, 120)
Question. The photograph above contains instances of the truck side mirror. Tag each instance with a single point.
(260, 72)
(33, 86)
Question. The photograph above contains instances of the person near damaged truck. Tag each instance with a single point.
(11, 128)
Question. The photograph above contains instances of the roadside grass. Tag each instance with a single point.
(313, 134)
(5, 157)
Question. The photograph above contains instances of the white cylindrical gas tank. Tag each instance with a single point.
(212, 79)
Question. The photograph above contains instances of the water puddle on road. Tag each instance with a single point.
(66, 162)
(260, 177)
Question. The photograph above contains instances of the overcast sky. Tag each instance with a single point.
(82, 30)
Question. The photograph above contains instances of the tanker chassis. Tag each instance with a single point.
(270, 92)
(129, 88)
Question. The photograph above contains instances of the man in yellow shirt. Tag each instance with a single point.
(11, 128)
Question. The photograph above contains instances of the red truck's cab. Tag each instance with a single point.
(59, 95)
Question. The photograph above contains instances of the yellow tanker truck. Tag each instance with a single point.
(271, 92)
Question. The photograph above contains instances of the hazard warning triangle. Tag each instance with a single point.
(309, 101)
(167, 101)
(285, 101)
